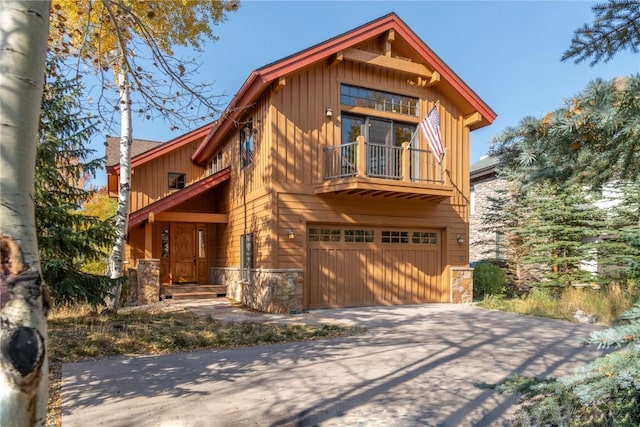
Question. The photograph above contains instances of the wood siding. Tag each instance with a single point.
(292, 131)
(149, 182)
(274, 197)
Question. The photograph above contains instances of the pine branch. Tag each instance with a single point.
(616, 27)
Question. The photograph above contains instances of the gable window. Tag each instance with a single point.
(177, 181)
(378, 100)
(246, 145)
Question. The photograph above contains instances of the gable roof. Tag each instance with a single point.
(143, 151)
(181, 196)
(260, 79)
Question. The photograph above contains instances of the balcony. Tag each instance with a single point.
(372, 170)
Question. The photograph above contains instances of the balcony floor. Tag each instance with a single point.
(385, 188)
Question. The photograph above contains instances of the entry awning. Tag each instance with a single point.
(166, 203)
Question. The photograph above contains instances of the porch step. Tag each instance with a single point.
(182, 291)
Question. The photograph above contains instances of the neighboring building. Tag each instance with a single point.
(486, 243)
(304, 194)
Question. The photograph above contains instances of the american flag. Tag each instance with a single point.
(430, 126)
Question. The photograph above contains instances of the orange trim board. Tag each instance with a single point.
(166, 203)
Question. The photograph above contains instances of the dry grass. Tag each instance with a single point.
(77, 333)
(607, 304)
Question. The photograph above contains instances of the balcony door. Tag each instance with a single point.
(384, 140)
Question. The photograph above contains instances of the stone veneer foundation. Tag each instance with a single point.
(461, 285)
(270, 290)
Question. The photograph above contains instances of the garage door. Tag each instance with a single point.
(350, 266)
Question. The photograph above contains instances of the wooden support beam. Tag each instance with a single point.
(336, 59)
(435, 78)
(362, 56)
(192, 217)
(472, 119)
(391, 35)
(148, 240)
(279, 84)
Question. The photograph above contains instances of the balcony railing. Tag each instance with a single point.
(362, 158)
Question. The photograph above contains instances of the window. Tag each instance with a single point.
(424, 237)
(324, 235)
(384, 139)
(472, 201)
(246, 257)
(378, 100)
(177, 181)
(246, 145)
(500, 246)
(358, 236)
(395, 237)
(202, 243)
(215, 164)
(164, 241)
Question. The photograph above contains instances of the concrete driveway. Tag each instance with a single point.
(416, 366)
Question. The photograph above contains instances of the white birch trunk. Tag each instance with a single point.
(116, 259)
(24, 27)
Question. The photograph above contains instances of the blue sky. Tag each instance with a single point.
(508, 52)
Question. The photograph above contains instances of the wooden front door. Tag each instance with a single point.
(183, 252)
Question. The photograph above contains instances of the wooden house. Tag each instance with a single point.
(316, 187)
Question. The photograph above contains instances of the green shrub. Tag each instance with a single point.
(488, 279)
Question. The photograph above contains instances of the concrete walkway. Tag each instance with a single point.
(416, 366)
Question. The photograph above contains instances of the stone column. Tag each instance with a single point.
(132, 292)
(148, 281)
(461, 285)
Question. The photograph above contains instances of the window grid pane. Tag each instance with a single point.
(378, 100)
(424, 237)
(359, 236)
(395, 237)
(325, 235)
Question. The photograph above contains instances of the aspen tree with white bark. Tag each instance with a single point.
(133, 39)
(24, 300)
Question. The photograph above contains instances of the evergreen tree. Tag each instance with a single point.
(505, 215)
(604, 393)
(617, 254)
(616, 27)
(67, 237)
(559, 234)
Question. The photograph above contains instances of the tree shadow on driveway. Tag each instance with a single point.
(417, 365)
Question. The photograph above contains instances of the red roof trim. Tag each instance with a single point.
(168, 147)
(139, 216)
(259, 79)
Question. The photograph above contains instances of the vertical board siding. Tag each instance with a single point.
(149, 182)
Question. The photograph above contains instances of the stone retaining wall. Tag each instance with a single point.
(270, 290)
